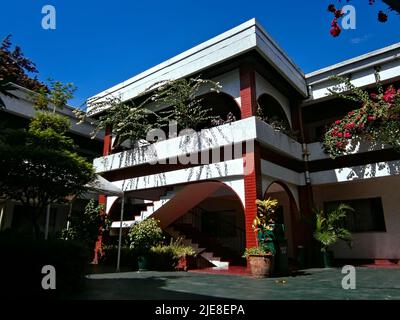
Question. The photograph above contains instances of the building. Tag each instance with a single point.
(16, 115)
(210, 200)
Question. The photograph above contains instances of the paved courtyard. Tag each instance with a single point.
(371, 283)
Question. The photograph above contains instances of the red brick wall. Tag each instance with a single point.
(252, 179)
(102, 198)
(248, 91)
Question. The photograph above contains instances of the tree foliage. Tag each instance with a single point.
(127, 120)
(182, 94)
(84, 227)
(132, 121)
(57, 95)
(39, 166)
(16, 68)
(144, 235)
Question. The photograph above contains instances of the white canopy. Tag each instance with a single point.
(103, 186)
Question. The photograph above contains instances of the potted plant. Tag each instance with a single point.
(142, 237)
(261, 258)
(328, 230)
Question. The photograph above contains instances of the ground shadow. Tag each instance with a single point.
(148, 288)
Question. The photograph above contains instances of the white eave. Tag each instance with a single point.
(361, 69)
(237, 41)
(22, 106)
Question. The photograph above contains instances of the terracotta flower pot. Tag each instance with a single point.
(261, 265)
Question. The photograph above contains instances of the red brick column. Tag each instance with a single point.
(252, 164)
(102, 198)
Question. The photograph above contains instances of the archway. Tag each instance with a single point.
(272, 112)
(216, 223)
(221, 105)
(287, 214)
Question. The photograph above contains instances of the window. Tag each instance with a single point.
(367, 215)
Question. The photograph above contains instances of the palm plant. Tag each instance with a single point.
(328, 227)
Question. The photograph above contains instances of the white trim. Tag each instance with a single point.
(237, 41)
(362, 172)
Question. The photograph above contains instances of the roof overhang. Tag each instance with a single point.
(361, 70)
(226, 46)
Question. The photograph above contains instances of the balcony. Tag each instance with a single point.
(229, 136)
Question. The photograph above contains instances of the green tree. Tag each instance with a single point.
(132, 121)
(144, 235)
(128, 120)
(57, 96)
(187, 108)
(84, 228)
(39, 166)
(16, 68)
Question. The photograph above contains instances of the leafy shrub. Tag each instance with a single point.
(144, 235)
(255, 251)
(328, 229)
(85, 227)
(166, 257)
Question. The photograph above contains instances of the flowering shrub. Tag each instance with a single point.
(376, 120)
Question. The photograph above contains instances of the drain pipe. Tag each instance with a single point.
(306, 155)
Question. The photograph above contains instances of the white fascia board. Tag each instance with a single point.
(361, 69)
(221, 170)
(278, 141)
(239, 40)
(216, 50)
(230, 135)
(356, 146)
(368, 171)
(280, 61)
(369, 57)
(281, 173)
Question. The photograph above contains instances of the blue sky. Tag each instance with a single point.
(99, 43)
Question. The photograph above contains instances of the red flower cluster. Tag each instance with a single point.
(335, 28)
(363, 120)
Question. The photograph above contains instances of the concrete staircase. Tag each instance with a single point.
(154, 206)
(207, 255)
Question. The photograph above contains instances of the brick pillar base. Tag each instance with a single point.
(102, 199)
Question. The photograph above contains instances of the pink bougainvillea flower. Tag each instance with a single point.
(370, 118)
(337, 122)
(347, 135)
(340, 134)
(335, 30)
(351, 113)
(389, 94)
(339, 144)
(373, 96)
(361, 125)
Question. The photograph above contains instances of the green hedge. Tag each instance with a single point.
(22, 259)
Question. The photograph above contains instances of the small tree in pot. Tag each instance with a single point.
(142, 237)
(261, 258)
(329, 229)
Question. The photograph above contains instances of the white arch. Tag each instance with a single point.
(264, 87)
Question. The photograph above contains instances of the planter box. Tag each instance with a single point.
(261, 265)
